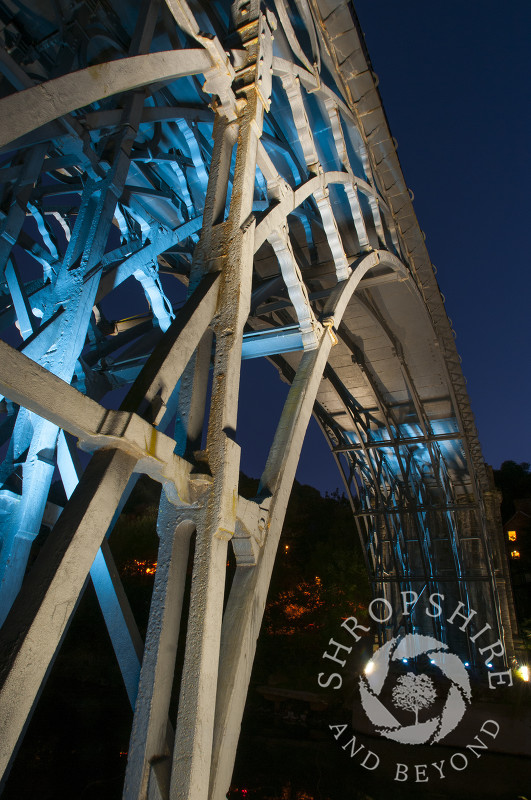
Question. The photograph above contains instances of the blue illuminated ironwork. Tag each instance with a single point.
(183, 187)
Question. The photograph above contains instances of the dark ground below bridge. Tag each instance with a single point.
(270, 768)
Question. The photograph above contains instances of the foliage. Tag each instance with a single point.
(319, 579)
(514, 480)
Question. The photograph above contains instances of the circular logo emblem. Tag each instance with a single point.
(414, 692)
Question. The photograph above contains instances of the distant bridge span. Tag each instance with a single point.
(185, 185)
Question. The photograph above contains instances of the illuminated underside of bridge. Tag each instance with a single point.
(186, 185)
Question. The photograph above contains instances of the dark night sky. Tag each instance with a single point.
(454, 79)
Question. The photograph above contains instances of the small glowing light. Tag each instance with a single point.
(467, 664)
(369, 667)
(515, 554)
(404, 660)
(490, 666)
(432, 661)
(512, 536)
(286, 547)
(523, 671)
(136, 567)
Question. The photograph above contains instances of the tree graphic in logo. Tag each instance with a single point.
(413, 693)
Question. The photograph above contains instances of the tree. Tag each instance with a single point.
(514, 480)
(413, 692)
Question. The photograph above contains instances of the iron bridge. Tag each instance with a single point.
(185, 185)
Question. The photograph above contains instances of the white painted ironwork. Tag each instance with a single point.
(204, 162)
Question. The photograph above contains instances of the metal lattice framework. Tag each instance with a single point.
(185, 185)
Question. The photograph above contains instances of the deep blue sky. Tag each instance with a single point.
(454, 79)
